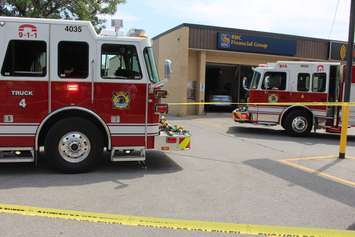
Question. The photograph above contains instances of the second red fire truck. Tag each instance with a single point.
(294, 83)
(76, 94)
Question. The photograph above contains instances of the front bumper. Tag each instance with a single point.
(173, 142)
(241, 116)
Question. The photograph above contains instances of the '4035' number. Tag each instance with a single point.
(73, 29)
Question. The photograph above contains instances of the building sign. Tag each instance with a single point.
(338, 51)
(256, 44)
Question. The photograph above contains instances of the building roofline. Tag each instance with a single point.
(244, 31)
(170, 30)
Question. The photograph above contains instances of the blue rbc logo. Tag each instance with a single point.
(225, 40)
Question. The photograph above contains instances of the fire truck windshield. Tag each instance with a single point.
(151, 65)
(255, 81)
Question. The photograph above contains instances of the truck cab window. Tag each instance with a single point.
(25, 59)
(73, 59)
(255, 80)
(319, 82)
(303, 82)
(120, 62)
(151, 65)
(274, 81)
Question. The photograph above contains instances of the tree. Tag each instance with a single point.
(65, 9)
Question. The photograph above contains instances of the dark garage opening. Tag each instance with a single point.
(224, 83)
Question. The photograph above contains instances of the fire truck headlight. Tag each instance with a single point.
(2, 23)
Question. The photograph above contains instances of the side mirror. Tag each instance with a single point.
(168, 68)
(245, 84)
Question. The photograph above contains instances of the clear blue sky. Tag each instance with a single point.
(302, 17)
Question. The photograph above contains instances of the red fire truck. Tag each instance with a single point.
(296, 82)
(75, 94)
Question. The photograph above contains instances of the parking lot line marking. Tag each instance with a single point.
(289, 162)
(317, 158)
(173, 224)
(311, 158)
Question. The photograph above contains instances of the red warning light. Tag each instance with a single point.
(73, 87)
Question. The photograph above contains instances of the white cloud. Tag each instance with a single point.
(301, 17)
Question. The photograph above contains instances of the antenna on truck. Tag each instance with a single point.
(117, 24)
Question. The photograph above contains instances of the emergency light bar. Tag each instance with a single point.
(137, 33)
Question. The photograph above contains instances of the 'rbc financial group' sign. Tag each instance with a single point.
(256, 44)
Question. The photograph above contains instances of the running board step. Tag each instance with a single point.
(16, 155)
(120, 154)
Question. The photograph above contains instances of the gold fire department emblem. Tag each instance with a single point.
(273, 98)
(120, 100)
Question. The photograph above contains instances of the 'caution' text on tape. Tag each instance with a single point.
(174, 224)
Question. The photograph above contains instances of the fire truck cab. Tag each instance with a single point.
(296, 82)
(76, 94)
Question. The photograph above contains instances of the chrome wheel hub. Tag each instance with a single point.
(74, 147)
(299, 124)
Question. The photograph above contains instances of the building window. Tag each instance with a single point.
(25, 59)
(120, 62)
(73, 59)
(274, 81)
(303, 82)
(319, 82)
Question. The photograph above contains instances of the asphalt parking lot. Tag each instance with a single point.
(234, 173)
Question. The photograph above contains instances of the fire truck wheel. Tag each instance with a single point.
(74, 145)
(298, 123)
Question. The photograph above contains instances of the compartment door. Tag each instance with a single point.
(121, 93)
(274, 90)
(72, 65)
(24, 74)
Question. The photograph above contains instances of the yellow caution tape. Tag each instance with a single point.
(173, 224)
(333, 104)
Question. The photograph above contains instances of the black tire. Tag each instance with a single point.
(283, 125)
(69, 138)
(300, 128)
